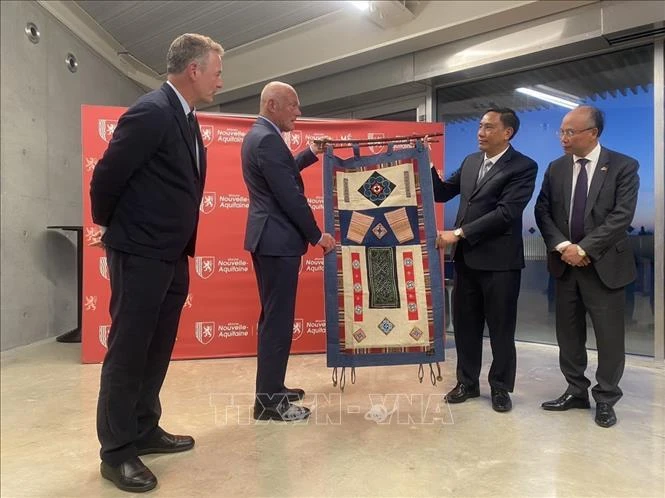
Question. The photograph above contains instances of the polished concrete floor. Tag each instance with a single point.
(386, 435)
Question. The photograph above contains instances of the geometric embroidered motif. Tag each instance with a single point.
(379, 230)
(386, 326)
(416, 333)
(399, 222)
(359, 335)
(377, 188)
(384, 296)
(382, 278)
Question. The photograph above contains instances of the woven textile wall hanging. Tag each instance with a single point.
(383, 284)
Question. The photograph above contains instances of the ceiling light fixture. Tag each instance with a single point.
(360, 5)
(552, 99)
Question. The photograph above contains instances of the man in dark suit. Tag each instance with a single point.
(145, 193)
(586, 203)
(494, 186)
(280, 225)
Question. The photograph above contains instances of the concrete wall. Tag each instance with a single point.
(41, 168)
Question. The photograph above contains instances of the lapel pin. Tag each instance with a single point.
(604, 168)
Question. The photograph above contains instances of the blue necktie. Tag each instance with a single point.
(579, 203)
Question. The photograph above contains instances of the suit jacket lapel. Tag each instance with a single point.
(567, 185)
(272, 129)
(599, 175)
(496, 167)
(472, 174)
(203, 157)
(182, 121)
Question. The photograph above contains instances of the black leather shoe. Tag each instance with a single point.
(294, 394)
(462, 392)
(501, 400)
(283, 412)
(130, 476)
(605, 416)
(166, 443)
(565, 402)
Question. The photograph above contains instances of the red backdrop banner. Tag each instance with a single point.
(222, 308)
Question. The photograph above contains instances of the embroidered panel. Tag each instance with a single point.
(384, 288)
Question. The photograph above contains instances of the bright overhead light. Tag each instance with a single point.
(552, 99)
(360, 5)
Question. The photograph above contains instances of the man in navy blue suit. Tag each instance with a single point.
(494, 186)
(280, 225)
(145, 193)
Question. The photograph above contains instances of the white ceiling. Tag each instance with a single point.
(145, 29)
(339, 58)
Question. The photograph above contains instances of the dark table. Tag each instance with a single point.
(75, 334)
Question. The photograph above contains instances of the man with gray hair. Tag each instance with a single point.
(145, 195)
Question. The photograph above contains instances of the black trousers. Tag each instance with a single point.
(578, 292)
(485, 296)
(277, 279)
(147, 296)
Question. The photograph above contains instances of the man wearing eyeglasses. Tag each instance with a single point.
(584, 208)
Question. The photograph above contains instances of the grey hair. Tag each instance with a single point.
(188, 48)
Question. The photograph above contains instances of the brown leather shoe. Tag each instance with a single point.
(462, 392)
(130, 475)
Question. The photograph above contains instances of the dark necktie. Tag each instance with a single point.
(194, 128)
(579, 203)
(193, 125)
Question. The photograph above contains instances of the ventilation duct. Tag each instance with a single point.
(627, 22)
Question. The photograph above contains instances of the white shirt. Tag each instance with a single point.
(494, 159)
(273, 125)
(592, 157)
(183, 102)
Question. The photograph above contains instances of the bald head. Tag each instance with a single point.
(592, 116)
(580, 130)
(280, 104)
(275, 90)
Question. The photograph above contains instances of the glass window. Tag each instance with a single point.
(619, 83)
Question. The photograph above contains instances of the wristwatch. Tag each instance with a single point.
(458, 233)
(581, 252)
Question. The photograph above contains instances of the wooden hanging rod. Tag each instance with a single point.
(341, 144)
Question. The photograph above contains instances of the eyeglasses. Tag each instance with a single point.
(569, 133)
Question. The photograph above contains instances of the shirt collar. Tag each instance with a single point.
(494, 159)
(183, 102)
(591, 156)
(279, 132)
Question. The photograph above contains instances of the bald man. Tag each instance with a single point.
(586, 204)
(280, 225)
